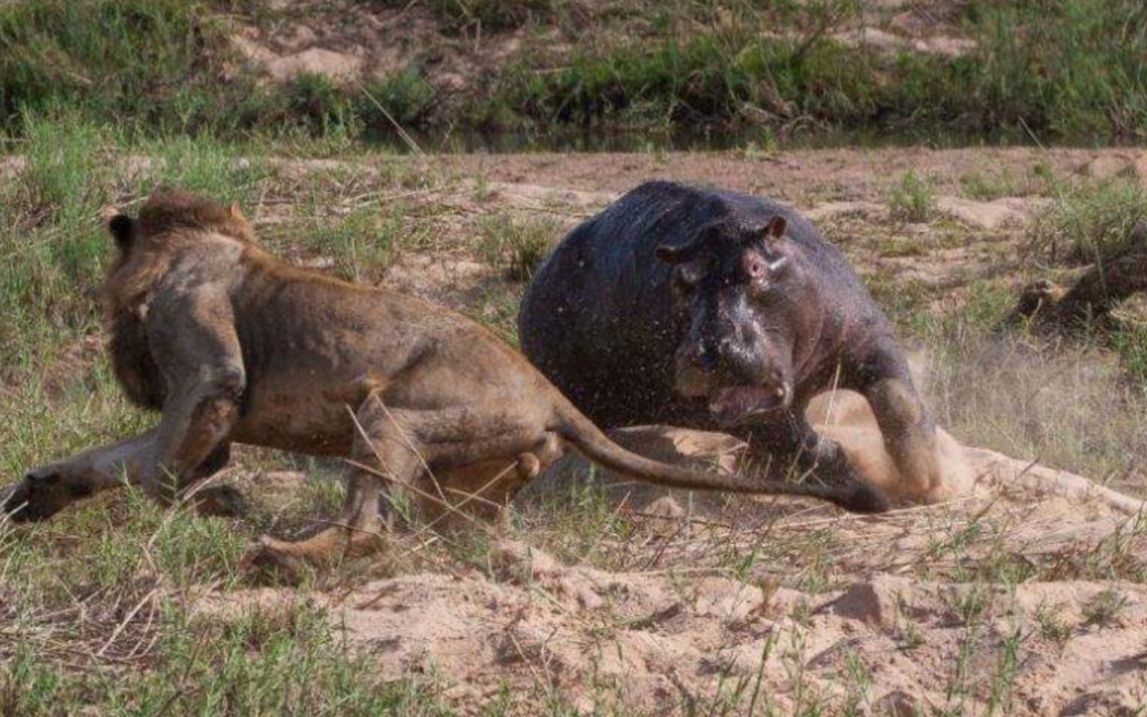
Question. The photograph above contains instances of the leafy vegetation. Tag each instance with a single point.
(1089, 219)
(1074, 70)
(912, 199)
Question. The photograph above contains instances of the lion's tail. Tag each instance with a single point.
(575, 428)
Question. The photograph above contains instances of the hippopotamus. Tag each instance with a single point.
(710, 309)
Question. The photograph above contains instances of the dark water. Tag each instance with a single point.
(684, 139)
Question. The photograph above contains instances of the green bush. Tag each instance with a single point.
(912, 199)
(153, 63)
(1089, 220)
(406, 96)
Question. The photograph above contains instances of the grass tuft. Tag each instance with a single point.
(912, 199)
(516, 246)
(1089, 219)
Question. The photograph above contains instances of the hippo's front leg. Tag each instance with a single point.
(908, 430)
(789, 448)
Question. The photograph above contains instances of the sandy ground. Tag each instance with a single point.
(918, 620)
(1022, 596)
(919, 615)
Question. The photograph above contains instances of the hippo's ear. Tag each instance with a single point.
(776, 228)
(124, 230)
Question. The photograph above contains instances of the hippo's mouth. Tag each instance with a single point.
(732, 405)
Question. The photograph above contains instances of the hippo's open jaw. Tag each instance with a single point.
(732, 405)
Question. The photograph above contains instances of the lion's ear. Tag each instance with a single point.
(236, 212)
(124, 230)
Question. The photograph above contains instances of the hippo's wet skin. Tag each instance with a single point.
(710, 309)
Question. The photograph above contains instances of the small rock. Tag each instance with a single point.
(897, 704)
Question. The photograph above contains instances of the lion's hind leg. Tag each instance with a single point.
(382, 453)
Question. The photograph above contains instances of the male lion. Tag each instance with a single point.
(233, 345)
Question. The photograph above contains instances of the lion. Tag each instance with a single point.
(232, 345)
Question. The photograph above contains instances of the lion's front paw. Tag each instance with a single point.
(12, 500)
(39, 496)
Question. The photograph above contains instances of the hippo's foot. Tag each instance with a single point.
(864, 498)
(829, 465)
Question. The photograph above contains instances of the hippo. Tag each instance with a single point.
(716, 310)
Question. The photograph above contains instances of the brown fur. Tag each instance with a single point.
(235, 346)
(1115, 277)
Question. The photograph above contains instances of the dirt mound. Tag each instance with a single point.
(1005, 598)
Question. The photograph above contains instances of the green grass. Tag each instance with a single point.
(1089, 220)
(144, 63)
(1073, 71)
(516, 246)
(912, 199)
(118, 609)
(1050, 73)
(492, 15)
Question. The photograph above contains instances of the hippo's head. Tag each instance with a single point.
(737, 291)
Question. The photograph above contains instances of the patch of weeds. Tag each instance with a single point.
(858, 685)
(52, 238)
(579, 524)
(899, 297)
(901, 247)
(482, 191)
(1000, 696)
(912, 199)
(65, 168)
(985, 187)
(315, 105)
(278, 660)
(1089, 220)
(151, 64)
(130, 534)
(987, 304)
(206, 166)
(1052, 626)
(516, 246)
(1116, 557)
(405, 95)
(492, 15)
(739, 562)
(970, 601)
(910, 637)
(363, 242)
(360, 243)
(1104, 609)
(1069, 405)
(1130, 344)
